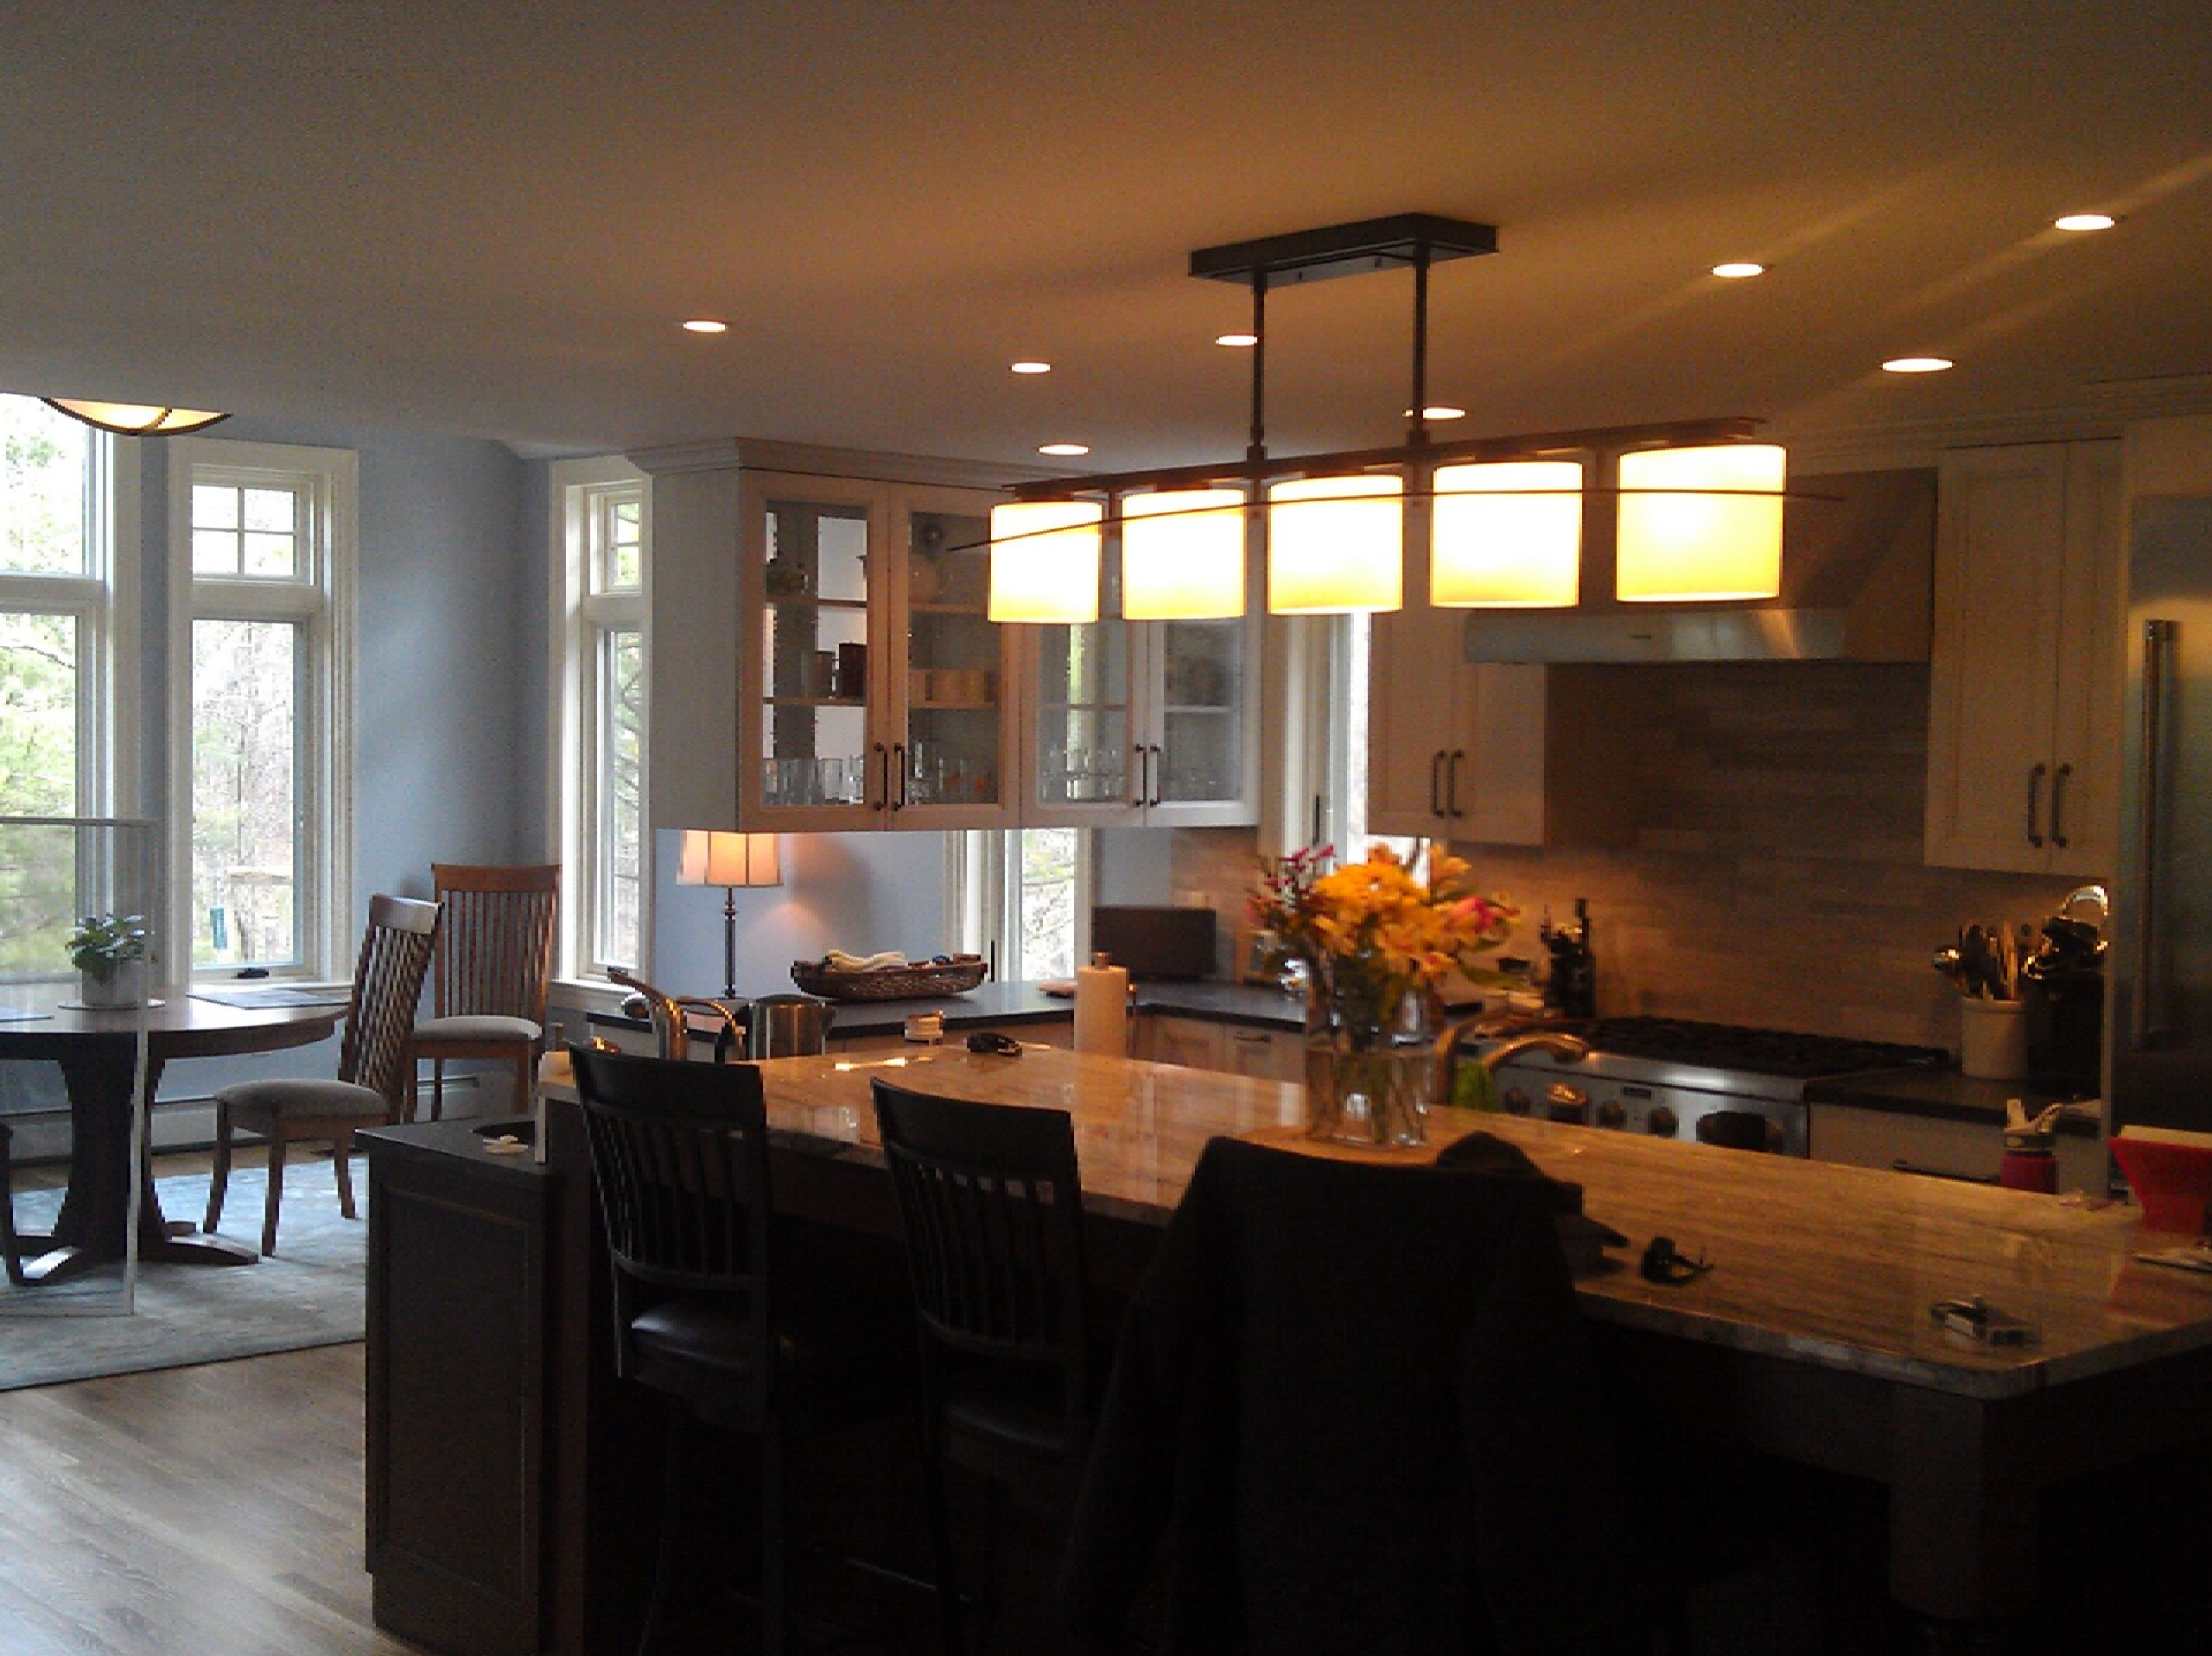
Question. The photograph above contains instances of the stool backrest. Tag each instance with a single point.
(387, 988)
(495, 952)
(679, 1153)
(992, 1207)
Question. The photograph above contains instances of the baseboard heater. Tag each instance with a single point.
(180, 1124)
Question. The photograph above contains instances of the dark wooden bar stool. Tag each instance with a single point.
(679, 1154)
(992, 1207)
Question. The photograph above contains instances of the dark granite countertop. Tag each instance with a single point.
(1947, 1094)
(1254, 1006)
(987, 1003)
(463, 1138)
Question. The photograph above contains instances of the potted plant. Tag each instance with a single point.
(109, 951)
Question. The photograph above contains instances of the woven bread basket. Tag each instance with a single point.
(889, 982)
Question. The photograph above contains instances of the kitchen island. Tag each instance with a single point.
(1810, 1338)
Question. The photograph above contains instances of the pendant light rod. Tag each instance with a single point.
(1417, 426)
(1256, 452)
(1604, 439)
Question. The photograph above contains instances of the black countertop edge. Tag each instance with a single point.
(463, 1139)
(988, 1003)
(1945, 1095)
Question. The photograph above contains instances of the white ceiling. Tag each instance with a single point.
(489, 218)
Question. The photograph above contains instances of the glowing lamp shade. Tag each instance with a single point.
(1336, 545)
(1045, 561)
(713, 858)
(1507, 535)
(1711, 529)
(134, 419)
(1183, 555)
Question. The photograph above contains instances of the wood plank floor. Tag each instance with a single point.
(215, 1511)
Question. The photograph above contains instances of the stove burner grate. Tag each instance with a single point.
(1764, 1051)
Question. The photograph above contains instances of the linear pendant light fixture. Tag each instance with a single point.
(134, 419)
(1699, 505)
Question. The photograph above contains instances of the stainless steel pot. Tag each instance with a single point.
(787, 1026)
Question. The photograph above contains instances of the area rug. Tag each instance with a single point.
(309, 1292)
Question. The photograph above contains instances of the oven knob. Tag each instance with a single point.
(1517, 1100)
(1565, 1102)
(1663, 1123)
(1612, 1113)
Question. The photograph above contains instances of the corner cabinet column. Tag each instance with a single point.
(691, 665)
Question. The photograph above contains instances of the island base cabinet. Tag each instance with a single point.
(456, 1395)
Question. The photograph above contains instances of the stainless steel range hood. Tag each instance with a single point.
(1858, 575)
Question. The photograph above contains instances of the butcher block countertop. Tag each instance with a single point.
(1830, 1265)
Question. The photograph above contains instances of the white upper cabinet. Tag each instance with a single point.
(2023, 715)
(1141, 723)
(820, 659)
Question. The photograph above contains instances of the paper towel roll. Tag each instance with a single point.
(1102, 1008)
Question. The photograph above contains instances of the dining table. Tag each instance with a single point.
(97, 1051)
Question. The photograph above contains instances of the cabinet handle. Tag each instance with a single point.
(883, 753)
(1452, 783)
(1155, 774)
(1436, 784)
(2034, 799)
(2058, 804)
(1140, 770)
(898, 763)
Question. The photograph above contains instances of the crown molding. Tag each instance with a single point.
(811, 459)
(2106, 408)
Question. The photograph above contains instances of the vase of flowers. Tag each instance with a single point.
(109, 951)
(1378, 941)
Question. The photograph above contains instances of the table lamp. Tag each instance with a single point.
(713, 858)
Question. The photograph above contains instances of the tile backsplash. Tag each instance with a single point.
(1775, 875)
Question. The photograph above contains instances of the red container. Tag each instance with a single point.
(2172, 1182)
(2029, 1170)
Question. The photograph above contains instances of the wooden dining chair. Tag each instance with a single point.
(376, 1070)
(494, 960)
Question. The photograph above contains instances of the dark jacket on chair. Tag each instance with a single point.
(1354, 1400)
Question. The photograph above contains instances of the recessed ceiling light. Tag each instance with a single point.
(1916, 364)
(1063, 448)
(705, 325)
(1031, 367)
(1437, 411)
(2085, 221)
(1737, 269)
(1236, 342)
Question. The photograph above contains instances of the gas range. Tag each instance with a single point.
(1676, 1078)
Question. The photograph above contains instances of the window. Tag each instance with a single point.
(260, 635)
(603, 526)
(1344, 822)
(1023, 896)
(67, 681)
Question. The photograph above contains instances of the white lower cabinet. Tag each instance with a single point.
(1950, 1149)
(1229, 1049)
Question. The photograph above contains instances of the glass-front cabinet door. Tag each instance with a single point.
(1152, 722)
(953, 754)
(815, 756)
(1085, 761)
(1204, 683)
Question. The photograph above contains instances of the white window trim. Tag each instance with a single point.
(104, 599)
(331, 931)
(576, 614)
(980, 873)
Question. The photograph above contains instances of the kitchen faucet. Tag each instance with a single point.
(1570, 1047)
(672, 1028)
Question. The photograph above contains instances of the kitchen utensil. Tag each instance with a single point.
(1948, 961)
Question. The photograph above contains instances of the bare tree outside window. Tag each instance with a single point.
(244, 793)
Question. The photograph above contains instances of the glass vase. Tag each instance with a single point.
(1367, 1087)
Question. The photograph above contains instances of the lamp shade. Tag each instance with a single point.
(1336, 545)
(1701, 523)
(134, 419)
(1183, 555)
(1507, 535)
(713, 858)
(1045, 561)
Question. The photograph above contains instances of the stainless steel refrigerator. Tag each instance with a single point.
(2159, 998)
